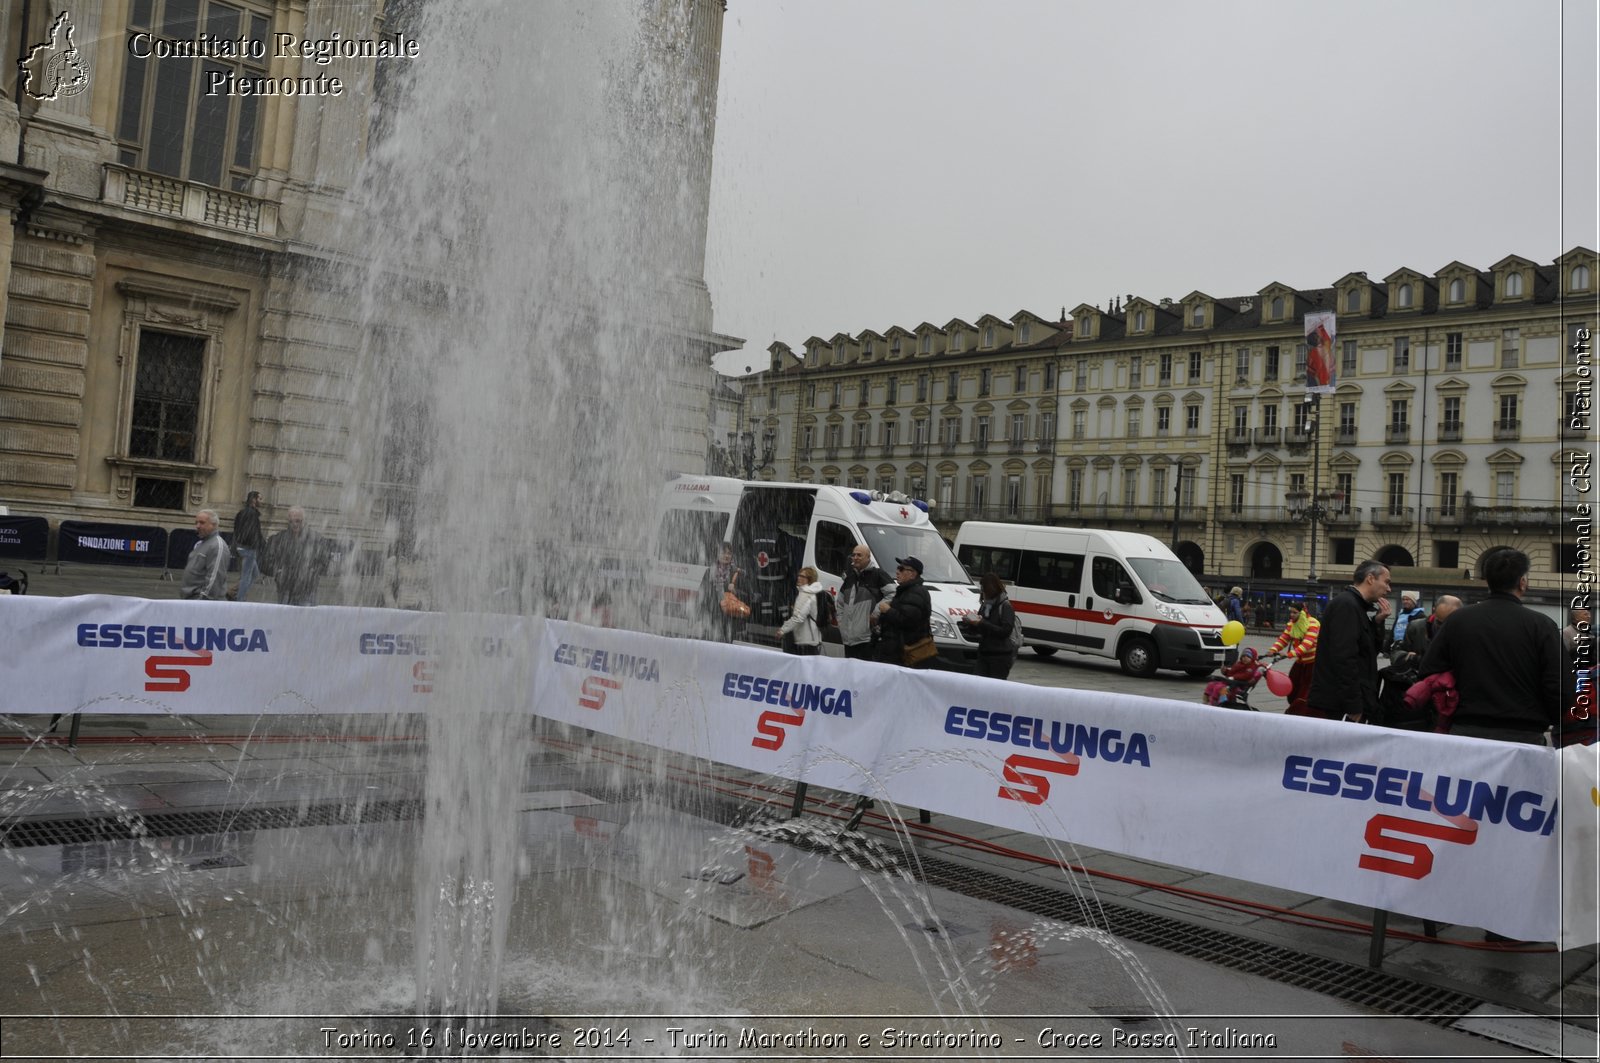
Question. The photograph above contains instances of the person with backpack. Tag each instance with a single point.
(802, 626)
(995, 625)
(859, 596)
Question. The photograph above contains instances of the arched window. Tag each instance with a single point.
(1403, 296)
(1199, 319)
(1513, 285)
(1580, 278)
(1138, 321)
(1277, 307)
(1458, 290)
(1352, 301)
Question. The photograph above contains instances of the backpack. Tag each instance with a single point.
(10, 584)
(827, 615)
(1016, 628)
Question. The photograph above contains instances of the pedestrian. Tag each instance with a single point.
(905, 636)
(1345, 683)
(802, 627)
(296, 558)
(1298, 643)
(247, 543)
(724, 576)
(992, 624)
(205, 575)
(1410, 612)
(1233, 606)
(1409, 649)
(859, 595)
(1506, 658)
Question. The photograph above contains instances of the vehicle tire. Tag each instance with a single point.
(1137, 655)
(1045, 651)
(1197, 673)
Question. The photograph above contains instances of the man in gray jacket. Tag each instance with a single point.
(859, 596)
(205, 577)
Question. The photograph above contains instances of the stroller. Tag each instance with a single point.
(1239, 678)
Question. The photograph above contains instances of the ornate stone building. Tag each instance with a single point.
(170, 320)
(1461, 403)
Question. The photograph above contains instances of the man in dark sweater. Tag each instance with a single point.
(247, 542)
(1345, 683)
(1506, 658)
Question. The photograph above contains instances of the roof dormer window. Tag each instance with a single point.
(956, 342)
(1025, 330)
(1402, 297)
(1580, 279)
(988, 336)
(1352, 301)
(1458, 290)
(1513, 286)
(1277, 308)
(1139, 321)
(1086, 328)
(1198, 318)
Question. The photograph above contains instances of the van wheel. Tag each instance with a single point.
(1045, 651)
(1138, 656)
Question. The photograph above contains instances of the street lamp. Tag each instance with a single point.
(746, 456)
(1315, 506)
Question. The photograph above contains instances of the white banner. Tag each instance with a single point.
(1466, 831)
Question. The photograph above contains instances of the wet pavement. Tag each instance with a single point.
(662, 886)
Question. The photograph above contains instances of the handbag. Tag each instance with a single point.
(917, 652)
(733, 605)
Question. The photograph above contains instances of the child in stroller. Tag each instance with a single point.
(1239, 678)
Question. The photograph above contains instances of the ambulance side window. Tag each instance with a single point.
(834, 543)
(1045, 571)
(997, 559)
(1112, 581)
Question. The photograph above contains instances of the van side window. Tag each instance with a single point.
(996, 559)
(691, 537)
(834, 543)
(1062, 573)
(1112, 581)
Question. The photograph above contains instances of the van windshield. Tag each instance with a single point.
(889, 541)
(1169, 581)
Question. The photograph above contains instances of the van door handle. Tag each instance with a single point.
(1088, 602)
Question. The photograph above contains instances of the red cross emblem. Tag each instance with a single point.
(761, 559)
(904, 513)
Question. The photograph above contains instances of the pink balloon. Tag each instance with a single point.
(1279, 683)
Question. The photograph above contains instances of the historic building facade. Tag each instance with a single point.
(1459, 408)
(170, 320)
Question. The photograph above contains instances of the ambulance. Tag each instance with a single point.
(776, 529)
(1106, 593)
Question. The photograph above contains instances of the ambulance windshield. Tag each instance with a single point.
(889, 541)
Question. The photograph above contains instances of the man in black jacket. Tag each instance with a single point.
(1506, 658)
(1345, 684)
(904, 619)
(247, 543)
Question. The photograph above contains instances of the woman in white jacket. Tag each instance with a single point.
(802, 622)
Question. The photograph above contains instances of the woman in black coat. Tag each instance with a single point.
(992, 625)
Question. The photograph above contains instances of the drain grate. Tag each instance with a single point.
(214, 821)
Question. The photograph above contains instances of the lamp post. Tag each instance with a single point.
(746, 456)
(1315, 506)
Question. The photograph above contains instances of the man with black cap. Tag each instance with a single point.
(903, 621)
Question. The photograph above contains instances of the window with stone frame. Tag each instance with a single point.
(166, 396)
(172, 118)
(1452, 350)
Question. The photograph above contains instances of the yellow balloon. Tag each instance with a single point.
(1232, 633)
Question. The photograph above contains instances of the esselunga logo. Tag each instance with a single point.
(1455, 808)
(1068, 744)
(799, 698)
(430, 652)
(192, 647)
(608, 669)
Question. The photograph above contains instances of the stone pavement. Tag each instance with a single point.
(149, 764)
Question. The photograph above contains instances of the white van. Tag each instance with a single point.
(775, 530)
(1109, 593)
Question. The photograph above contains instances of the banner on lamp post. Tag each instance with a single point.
(1321, 370)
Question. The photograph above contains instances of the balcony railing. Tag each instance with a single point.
(154, 194)
(858, 451)
(1393, 516)
(1016, 446)
(1508, 428)
(1398, 432)
(1252, 514)
(1046, 445)
(1297, 440)
(1449, 431)
(980, 446)
(1350, 516)
(1344, 437)
(1268, 437)
(1509, 516)
(1443, 516)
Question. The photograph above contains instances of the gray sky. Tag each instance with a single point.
(884, 162)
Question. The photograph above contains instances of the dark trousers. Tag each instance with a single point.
(806, 651)
(995, 665)
(860, 651)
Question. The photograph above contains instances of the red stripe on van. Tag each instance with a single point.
(1096, 616)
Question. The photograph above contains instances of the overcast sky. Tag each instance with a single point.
(884, 162)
